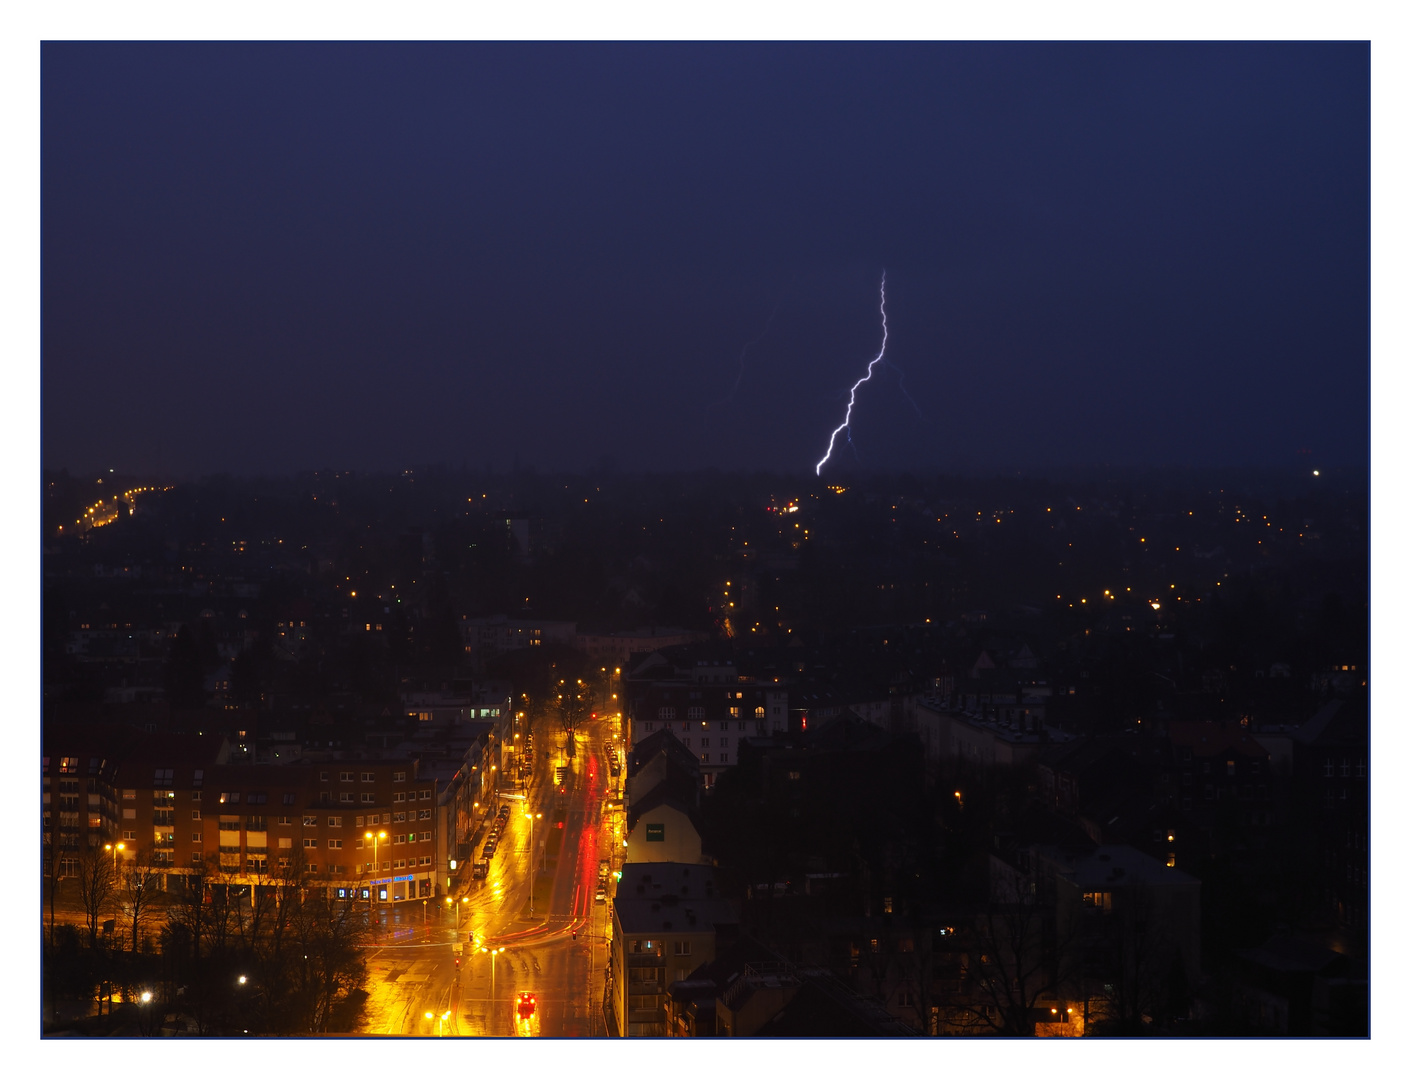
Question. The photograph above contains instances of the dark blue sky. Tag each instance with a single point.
(271, 257)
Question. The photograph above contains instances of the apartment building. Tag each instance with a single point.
(179, 806)
(709, 708)
(666, 918)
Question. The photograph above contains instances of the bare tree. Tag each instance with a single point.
(95, 888)
(51, 876)
(222, 882)
(1020, 956)
(1137, 962)
(137, 892)
(192, 910)
(330, 935)
(575, 704)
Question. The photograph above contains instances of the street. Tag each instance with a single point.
(558, 953)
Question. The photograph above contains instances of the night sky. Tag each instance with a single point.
(263, 258)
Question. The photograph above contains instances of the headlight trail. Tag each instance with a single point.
(852, 394)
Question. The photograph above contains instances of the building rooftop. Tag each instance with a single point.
(669, 914)
(1117, 864)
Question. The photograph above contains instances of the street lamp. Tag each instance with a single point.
(374, 837)
(115, 848)
(530, 818)
(440, 1021)
(456, 907)
(493, 953)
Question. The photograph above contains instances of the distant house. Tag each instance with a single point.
(705, 706)
(981, 740)
(616, 647)
(663, 828)
(1220, 765)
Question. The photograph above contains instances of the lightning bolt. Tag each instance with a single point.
(901, 385)
(852, 394)
(745, 352)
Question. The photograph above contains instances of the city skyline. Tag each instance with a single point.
(782, 539)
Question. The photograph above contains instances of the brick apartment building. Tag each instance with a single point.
(180, 806)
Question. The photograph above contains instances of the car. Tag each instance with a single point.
(525, 1005)
(601, 897)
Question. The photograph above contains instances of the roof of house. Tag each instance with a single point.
(1118, 864)
(1284, 952)
(1339, 721)
(676, 790)
(666, 910)
(1209, 739)
(681, 879)
(663, 741)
